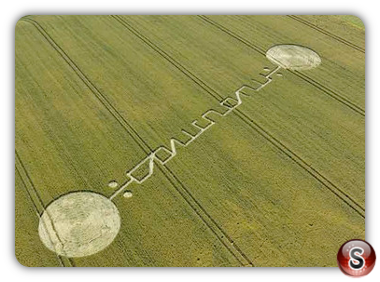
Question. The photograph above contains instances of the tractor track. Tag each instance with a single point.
(259, 129)
(304, 77)
(36, 201)
(325, 32)
(210, 223)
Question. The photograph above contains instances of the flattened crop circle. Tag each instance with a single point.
(293, 57)
(79, 224)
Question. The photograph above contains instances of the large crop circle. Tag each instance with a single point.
(293, 57)
(79, 224)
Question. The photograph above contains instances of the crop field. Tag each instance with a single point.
(188, 140)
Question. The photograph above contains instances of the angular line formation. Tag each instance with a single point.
(229, 103)
(154, 155)
(259, 129)
(323, 88)
(193, 203)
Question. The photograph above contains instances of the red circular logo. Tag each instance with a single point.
(356, 258)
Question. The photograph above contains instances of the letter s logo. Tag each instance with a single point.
(356, 261)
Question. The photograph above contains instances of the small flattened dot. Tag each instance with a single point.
(112, 184)
(128, 194)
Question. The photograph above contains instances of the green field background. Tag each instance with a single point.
(278, 182)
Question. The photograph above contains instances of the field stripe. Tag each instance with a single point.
(219, 232)
(35, 207)
(303, 164)
(248, 262)
(36, 201)
(124, 123)
(189, 199)
(329, 92)
(259, 129)
(324, 89)
(321, 30)
(170, 59)
(32, 192)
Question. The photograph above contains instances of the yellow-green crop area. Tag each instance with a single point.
(279, 181)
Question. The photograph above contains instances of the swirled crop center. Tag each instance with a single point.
(79, 224)
(293, 57)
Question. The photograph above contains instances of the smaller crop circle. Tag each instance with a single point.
(293, 57)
